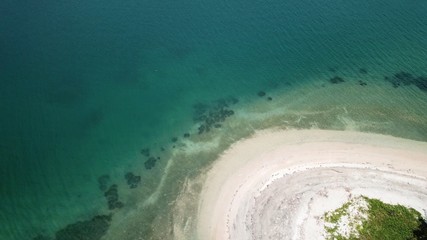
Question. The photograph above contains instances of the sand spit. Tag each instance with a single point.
(277, 184)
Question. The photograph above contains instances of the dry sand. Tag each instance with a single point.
(278, 184)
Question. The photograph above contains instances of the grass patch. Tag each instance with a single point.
(371, 219)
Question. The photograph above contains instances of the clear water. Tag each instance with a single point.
(86, 85)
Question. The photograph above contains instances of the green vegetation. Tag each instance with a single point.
(336, 215)
(345, 222)
(371, 219)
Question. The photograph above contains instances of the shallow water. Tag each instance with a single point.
(86, 86)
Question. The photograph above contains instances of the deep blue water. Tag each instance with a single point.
(84, 86)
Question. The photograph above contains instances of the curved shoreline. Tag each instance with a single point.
(277, 184)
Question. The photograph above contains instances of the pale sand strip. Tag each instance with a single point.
(277, 184)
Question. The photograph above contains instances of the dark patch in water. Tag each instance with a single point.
(132, 180)
(362, 83)
(200, 110)
(421, 83)
(406, 79)
(269, 98)
(336, 80)
(150, 163)
(145, 152)
(207, 115)
(103, 182)
(112, 197)
(93, 229)
(261, 94)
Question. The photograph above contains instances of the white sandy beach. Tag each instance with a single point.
(277, 184)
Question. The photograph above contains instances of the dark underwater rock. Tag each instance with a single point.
(261, 94)
(145, 152)
(93, 229)
(421, 83)
(186, 135)
(150, 163)
(200, 110)
(112, 197)
(132, 180)
(118, 204)
(406, 79)
(174, 139)
(103, 182)
(211, 116)
(362, 83)
(201, 129)
(269, 99)
(401, 78)
(336, 80)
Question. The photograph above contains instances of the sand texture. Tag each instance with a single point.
(278, 184)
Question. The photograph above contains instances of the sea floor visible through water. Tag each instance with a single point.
(109, 111)
(359, 102)
(376, 107)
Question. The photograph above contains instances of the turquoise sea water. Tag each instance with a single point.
(85, 86)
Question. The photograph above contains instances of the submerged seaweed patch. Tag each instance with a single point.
(150, 163)
(362, 83)
(336, 80)
(132, 180)
(405, 79)
(112, 197)
(103, 182)
(211, 115)
(93, 229)
(145, 152)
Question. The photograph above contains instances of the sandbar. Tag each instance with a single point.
(277, 184)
